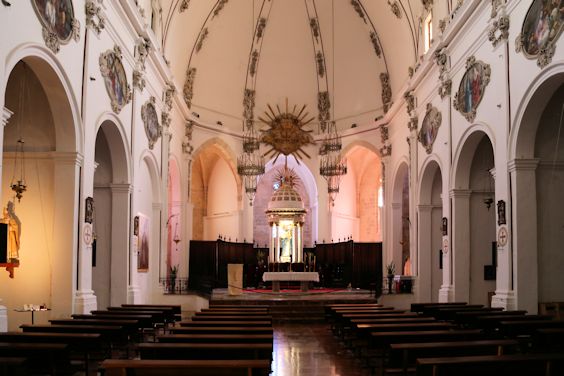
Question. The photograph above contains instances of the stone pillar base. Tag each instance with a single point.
(133, 295)
(3, 319)
(84, 302)
(446, 294)
(504, 299)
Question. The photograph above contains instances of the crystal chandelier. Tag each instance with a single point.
(250, 164)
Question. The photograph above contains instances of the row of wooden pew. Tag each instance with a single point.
(220, 340)
(450, 338)
(76, 343)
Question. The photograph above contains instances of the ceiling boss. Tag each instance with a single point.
(286, 134)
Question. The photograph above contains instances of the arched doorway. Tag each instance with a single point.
(536, 181)
(174, 223)
(111, 221)
(430, 213)
(356, 212)
(401, 223)
(44, 119)
(474, 227)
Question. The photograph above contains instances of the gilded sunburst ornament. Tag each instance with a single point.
(285, 134)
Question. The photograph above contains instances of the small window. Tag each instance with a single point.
(428, 31)
(380, 197)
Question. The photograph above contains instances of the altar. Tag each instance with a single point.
(303, 277)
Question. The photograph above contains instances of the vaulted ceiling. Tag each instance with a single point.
(271, 47)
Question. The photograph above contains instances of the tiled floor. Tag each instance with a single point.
(311, 350)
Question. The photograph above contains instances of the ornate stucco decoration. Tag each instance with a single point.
(142, 50)
(376, 43)
(496, 4)
(187, 147)
(395, 8)
(151, 122)
(384, 134)
(409, 102)
(445, 88)
(323, 106)
(59, 25)
(472, 88)
(441, 59)
(429, 128)
(358, 9)
(95, 19)
(168, 94)
(386, 150)
(201, 39)
(386, 91)
(253, 64)
(139, 80)
(260, 28)
(412, 123)
(219, 7)
(248, 104)
(184, 5)
(188, 90)
(314, 28)
(499, 30)
(285, 134)
(541, 30)
(427, 4)
(443, 24)
(115, 78)
(320, 60)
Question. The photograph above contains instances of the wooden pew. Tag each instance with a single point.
(52, 358)
(233, 318)
(221, 309)
(225, 323)
(115, 367)
(145, 321)
(221, 330)
(549, 339)
(403, 356)
(177, 309)
(528, 327)
(236, 306)
(450, 313)
(13, 366)
(231, 313)
(217, 338)
(491, 322)
(205, 351)
(493, 365)
(422, 307)
(470, 318)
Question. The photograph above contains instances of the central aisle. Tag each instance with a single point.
(311, 350)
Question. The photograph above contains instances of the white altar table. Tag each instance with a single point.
(303, 277)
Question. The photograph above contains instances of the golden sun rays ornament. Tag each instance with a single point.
(285, 134)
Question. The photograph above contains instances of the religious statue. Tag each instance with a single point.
(14, 232)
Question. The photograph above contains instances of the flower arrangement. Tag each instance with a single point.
(391, 268)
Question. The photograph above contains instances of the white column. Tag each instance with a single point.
(299, 243)
(424, 293)
(524, 236)
(120, 242)
(277, 244)
(459, 254)
(396, 248)
(271, 244)
(6, 114)
(294, 244)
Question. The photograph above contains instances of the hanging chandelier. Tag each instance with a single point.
(250, 164)
(18, 184)
(331, 166)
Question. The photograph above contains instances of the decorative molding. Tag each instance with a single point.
(142, 49)
(58, 26)
(412, 123)
(188, 90)
(320, 60)
(168, 95)
(496, 4)
(248, 104)
(139, 80)
(95, 18)
(187, 147)
(112, 70)
(6, 115)
(441, 59)
(260, 28)
(376, 43)
(429, 128)
(386, 91)
(443, 24)
(323, 106)
(314, 28)
(409, 102)
(201, 39)
(253, 64)
(219, 7)
(151, 122)
(427, 4)
(358, 9)
(461, 101)
(183, 6)
(51, 40)
(395, 8)
(501, 25)
(386, 151)
(384, 134)
(445, 88)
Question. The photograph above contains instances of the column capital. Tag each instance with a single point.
(121, 188)
(6, 115)
(396, 205)
(426, 207)
(523, 164)
(460, 193)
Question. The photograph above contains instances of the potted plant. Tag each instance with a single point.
(172, 275)
(390, 270)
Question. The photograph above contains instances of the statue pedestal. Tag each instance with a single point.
(3, 319)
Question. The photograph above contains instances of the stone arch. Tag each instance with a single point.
(401, 223)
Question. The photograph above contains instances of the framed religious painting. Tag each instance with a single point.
(472, 88)
(151, 122)
(89, 210)
(57, 19)
(541, 28)
(430, 128)
(115, 78)
(143, 242)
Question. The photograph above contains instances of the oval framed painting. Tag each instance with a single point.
(151, 121)
(472, 88)
(430, 128)
(56, 16)
(542, 26)
(115, 79)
